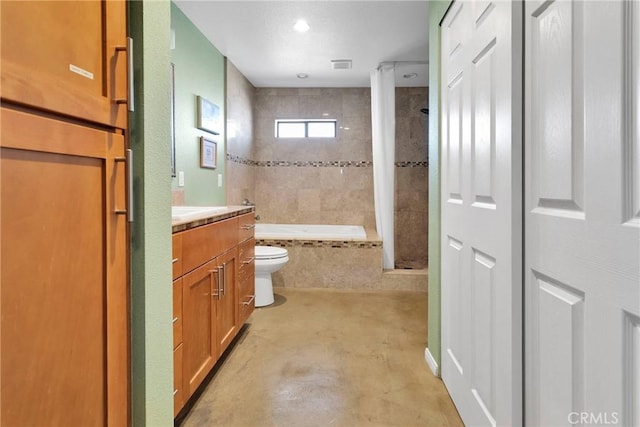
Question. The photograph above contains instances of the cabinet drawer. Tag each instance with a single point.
(246, 298)
(177, 255)
(177, 313)
(246, 258)
(178, 388)
(201, 244)
(246, 226)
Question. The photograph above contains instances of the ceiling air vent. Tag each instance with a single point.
(341, 64)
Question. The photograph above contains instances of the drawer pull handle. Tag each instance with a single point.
(216, 273)
(130, 87)
(173, 261)
(175, 319)
(175, 392)
(250, 300)
(248, 226)
(224, 280)
(128, 161)
(249, 260)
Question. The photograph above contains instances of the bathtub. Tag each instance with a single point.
(332, 256)
(309, 232)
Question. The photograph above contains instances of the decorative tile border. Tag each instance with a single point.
(237, 159)
(412, 164)
(318, 164)
(362, 244)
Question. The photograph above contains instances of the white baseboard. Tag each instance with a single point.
(431, 362)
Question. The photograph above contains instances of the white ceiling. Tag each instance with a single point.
(258, 37)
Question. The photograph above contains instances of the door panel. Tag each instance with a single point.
(70, 65)
(632, 115)
(556, 125)
(481, 221)
(45, 324)
(62, 363)
(582, 234)
(198, 333)
(226, 307)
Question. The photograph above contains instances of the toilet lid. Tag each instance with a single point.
(270, 252)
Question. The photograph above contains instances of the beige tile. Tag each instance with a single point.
(177, 197)
(309, 200)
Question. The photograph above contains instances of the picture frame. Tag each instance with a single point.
(208, 153)
(208, 116)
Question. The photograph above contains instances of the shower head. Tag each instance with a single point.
(424, 111)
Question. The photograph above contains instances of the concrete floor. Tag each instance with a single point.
(321, 357)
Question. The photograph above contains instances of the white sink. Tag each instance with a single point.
(186, 213)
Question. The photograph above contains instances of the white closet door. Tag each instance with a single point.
(582, 213)
(481, 90)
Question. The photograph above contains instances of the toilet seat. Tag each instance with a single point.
(270, 252)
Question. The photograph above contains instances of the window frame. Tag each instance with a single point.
(306, 128)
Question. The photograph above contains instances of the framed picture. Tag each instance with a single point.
(208, 116)
(208, 153)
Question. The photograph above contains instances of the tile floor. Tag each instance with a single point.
(325, 357)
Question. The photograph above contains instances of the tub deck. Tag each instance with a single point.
(332, 262)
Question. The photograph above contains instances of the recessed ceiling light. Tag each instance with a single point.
(302, 75)
(410, 75)
(301, 26)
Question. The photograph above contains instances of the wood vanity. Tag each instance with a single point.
(213, 292)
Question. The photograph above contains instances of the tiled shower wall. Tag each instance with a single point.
(326, 181)
(316, 180)
(411, 178)
(240, 137)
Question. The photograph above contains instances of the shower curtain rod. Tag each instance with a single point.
(403, 63)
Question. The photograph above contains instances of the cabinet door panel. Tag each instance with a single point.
(61, 56)
(178, 390)
(63, 277)
(226, 308)
(198, 333)
(177, 313)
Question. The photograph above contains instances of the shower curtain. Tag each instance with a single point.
(383, 128)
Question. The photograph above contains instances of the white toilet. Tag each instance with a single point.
(268, 260)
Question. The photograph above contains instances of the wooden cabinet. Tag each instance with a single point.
(246, 267)
(178, 387)
(178, 392)
(198, 333)
(211, 259)
(177, 255)
(66, 57)
(64, 331)
(246, 280)
(226, 309)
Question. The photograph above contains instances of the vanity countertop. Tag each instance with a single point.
(197, 220)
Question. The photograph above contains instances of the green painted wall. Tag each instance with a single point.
(199, 70)
(437, 10)
(151, 292)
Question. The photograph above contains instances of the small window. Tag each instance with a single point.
(305, 128)
(291, 130)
